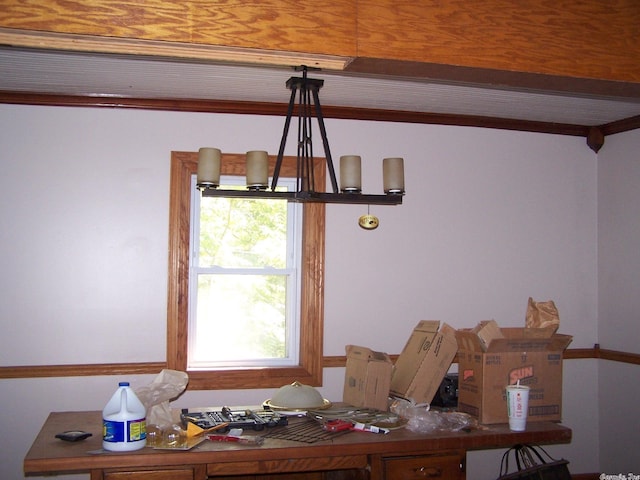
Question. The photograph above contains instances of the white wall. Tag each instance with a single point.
(490, 218)
(619, 299)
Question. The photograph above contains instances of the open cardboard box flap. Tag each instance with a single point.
(487, 336)
(367, 378)
(424, 361)
(538, 338)
(366, 354)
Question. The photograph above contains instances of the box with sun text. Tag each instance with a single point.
(490, 358)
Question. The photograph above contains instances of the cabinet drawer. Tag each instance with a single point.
(168, 474)
(293, 465)
(444, 467)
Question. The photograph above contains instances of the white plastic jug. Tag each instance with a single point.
(124, 421)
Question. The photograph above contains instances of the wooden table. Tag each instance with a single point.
(400, 454)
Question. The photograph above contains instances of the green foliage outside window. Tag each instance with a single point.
(242, 280)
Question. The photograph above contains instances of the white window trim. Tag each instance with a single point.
(291, 271)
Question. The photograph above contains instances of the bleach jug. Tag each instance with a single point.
(124, 421)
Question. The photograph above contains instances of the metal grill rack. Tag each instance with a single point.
(305, 430)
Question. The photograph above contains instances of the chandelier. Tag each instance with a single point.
(347, 192)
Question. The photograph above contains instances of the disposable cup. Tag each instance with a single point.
(517, 406)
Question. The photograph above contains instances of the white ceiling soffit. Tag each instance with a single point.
(68, 73)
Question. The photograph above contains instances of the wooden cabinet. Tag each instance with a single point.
(437, 467)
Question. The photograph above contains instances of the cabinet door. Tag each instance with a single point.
(444, 467)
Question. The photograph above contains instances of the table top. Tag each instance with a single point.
(49, 455)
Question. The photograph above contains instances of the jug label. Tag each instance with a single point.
(127, 431)
(113, 431)
(137, 430)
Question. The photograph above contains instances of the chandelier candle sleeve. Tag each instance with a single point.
(393, 175)
(209, 167)
(257, 169)
(350, 173)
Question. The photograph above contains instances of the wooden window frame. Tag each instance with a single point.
(309, 369)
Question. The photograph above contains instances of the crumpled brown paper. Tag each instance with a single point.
(168, 385)
(542, 315)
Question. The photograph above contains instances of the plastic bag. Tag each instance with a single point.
(168, 385)
(421, 419)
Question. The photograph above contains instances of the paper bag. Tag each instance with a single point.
(542, 315)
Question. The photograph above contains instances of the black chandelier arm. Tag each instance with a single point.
(308, 197)
(307, 86)
(325, 141)
(305, 141)
(283, 141)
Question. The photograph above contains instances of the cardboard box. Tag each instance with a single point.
(490, 358)
(424, 362)
(367, 378)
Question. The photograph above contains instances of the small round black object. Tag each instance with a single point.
(73, 435)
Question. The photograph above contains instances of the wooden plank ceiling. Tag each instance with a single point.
(562, 66)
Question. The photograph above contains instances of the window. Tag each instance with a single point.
(243, 281)
(308, 368)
